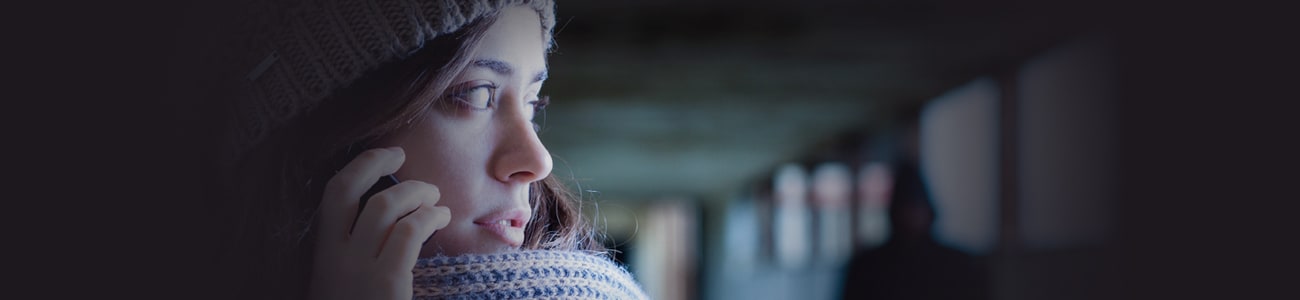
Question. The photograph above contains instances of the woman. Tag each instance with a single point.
(441, 96)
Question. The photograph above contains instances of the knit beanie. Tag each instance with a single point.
(298, 52)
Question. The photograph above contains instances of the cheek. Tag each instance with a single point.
(443, 155)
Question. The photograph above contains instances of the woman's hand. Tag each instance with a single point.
(376, 259)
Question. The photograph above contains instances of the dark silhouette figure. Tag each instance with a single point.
(911, 265)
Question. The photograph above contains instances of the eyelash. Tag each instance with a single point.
(539, 105)
(459, 95)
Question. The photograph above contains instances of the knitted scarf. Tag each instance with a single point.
(532, 274)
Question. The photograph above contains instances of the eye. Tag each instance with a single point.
(478, 97)
(539, 107)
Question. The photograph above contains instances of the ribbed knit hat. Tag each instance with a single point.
(298, 56)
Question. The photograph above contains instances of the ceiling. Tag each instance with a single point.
(693, 100)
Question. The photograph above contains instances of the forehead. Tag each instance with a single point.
(515, 38)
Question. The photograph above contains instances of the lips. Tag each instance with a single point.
(508, 225)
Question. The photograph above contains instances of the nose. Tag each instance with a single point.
(520, 156)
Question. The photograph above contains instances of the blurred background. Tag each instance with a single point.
(748, 149)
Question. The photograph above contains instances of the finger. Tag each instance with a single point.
(386, 207)
(343, 191)
(402, 248)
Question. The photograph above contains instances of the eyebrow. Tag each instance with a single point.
(504, 69)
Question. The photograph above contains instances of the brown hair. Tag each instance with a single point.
(280, 184)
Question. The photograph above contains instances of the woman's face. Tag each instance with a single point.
(479, 145)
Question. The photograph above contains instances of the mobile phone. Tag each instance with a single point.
(384, 182)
